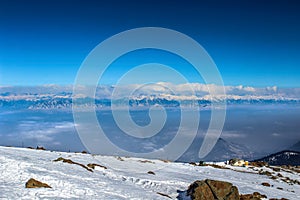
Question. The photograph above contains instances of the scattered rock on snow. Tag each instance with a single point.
(32, 183)
(146, 161)
(254, 196)
(258, 164)
(93, 165)
(72, 162)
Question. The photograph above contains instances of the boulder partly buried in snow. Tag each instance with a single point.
(199, 190)
(212, 189)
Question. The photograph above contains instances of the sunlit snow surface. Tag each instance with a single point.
(127, 179)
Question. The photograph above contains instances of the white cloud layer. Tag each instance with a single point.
(169, 91)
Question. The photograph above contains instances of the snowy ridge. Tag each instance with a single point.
(124, 178)
(286, 157)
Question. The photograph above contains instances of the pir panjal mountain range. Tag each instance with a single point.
(34, 174)
(164, 94)
(60, 97)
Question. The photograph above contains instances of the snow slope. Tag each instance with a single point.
(124, 178)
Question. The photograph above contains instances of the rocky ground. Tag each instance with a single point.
(40, 174)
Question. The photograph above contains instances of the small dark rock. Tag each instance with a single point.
(151, 172)
(266, 184)
(40, 148)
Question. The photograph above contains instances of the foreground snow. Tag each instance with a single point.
(124, 178)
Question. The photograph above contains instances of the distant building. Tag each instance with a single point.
(238, 162)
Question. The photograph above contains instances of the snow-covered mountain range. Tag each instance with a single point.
(164, 94)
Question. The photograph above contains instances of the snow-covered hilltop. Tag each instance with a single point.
(165, 94)
(70, 177)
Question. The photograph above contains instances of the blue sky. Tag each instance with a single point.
(254, 43)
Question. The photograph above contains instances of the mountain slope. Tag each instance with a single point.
(286, 157)
(225, 150)
(124, 178)
(295, 147)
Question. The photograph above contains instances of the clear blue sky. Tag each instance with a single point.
(253, 42)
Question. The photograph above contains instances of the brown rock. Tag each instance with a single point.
(266, 184)
(257, 194)
(219, 188)
(245, 196)
(234, 194)
(265, 173)
(72, 162)
(276, 169)
(32, 183)
(93, 165)
(212, 189)
(254, 196)
(165, 161)
(258, 164)
(199, 190)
